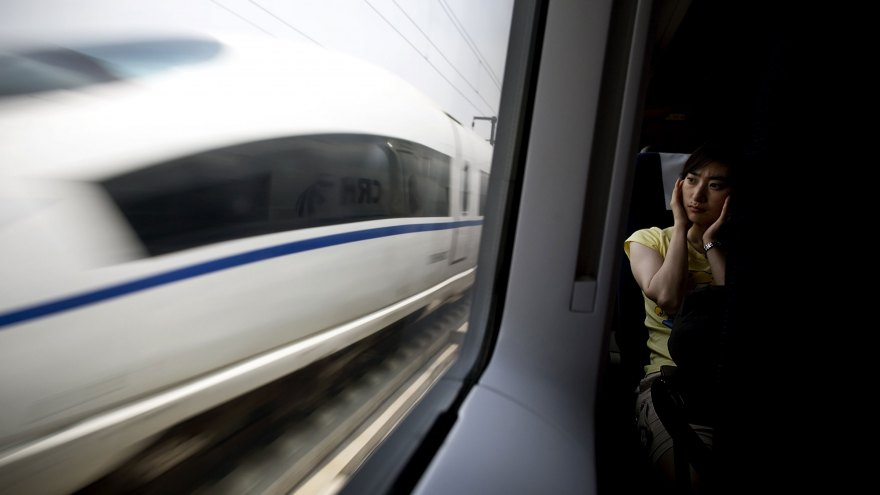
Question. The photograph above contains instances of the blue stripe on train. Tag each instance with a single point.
(73, 302)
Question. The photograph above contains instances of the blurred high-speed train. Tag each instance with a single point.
(185, 219)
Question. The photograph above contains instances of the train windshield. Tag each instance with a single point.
(73, 67)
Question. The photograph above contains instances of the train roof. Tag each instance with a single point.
(90, 111)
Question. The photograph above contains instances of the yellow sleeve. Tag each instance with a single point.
(654, 237)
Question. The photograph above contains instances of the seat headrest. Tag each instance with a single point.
(670, 168)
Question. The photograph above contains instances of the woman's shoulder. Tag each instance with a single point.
(654, 237)
(654, 234)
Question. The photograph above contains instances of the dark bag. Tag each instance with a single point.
(695, 346)
(685, 394)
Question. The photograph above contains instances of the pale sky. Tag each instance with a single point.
(452, 50)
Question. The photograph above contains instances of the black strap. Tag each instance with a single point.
(687, 447)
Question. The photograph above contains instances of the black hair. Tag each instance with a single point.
(719, 151)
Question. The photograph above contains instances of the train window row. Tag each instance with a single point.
(279, 185)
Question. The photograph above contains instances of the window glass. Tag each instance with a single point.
(278, 180)
(426, 178)
(48, 69)
(258, 188)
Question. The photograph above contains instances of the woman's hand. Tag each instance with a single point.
(676, 204)
(711, 234)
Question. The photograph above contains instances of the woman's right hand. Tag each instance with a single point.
(676, 204)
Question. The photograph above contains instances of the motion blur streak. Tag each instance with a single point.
(119, 417)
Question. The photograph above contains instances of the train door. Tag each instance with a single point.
(464, 235)
(473, 157)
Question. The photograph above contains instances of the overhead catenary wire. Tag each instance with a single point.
(469, 41)
(301, 33)
(245, 19)
(414, 23)
(452, 17)
(476, 108)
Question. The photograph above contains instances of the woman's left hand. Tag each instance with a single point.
(711, 233)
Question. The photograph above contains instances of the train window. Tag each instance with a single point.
(426, 175)
(256, 188)
(141, 58)
(329, 180)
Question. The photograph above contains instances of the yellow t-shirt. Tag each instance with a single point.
(699, 272)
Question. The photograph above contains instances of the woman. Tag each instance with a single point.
(668, 264)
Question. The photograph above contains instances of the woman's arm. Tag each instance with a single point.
(664, 280)
(717, 258)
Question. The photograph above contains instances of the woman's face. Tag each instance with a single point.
(704, 191)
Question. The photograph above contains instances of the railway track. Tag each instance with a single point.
(307, 432)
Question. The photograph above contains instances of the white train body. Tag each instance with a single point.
(119, 318)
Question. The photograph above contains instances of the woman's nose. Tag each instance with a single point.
(698, 194)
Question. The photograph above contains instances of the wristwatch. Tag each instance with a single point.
(709, 245)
